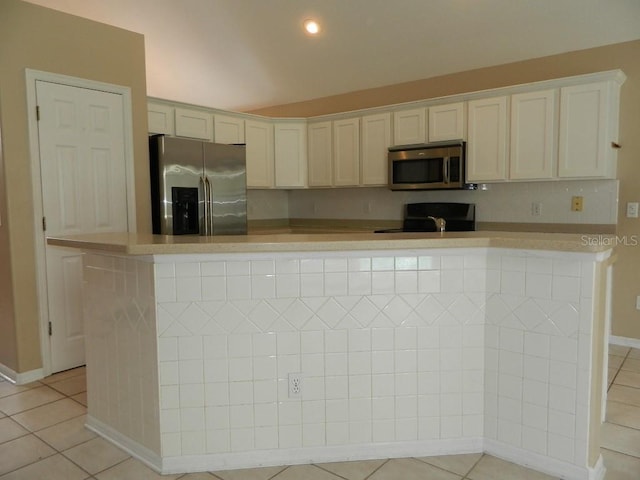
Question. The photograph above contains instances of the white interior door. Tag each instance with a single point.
(84, 190)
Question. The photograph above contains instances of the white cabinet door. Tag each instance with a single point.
(533, 132)
(259, 139)
(194, 124)
(290, 154)
(376, 140)
(487, 142)
(346, 158)
(320, 154)
(409, 126)
(446, 122)
(161, 118)
(585, 124)
(228, 129)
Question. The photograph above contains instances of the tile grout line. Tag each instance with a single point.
(323, 469)
(34, 433)
(381, 465)
(466, 476)
(618, 370)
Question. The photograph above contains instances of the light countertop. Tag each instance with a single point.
(147, 244)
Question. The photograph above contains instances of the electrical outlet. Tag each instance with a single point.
(632, 210)
(295, 385)
(536, 209)
(576, 204)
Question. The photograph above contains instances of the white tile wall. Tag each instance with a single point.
(502, 202)
(433, 345)
(392, 348)
(121, 345)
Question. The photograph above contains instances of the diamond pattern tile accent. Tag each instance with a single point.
(193, 319)
(263, 316)
(566, 320)
(530, 315)
(364, 311)
(331, 313)
(298, 314)
(463, 310)
(228, 317)
(397, 310)
(429, 310)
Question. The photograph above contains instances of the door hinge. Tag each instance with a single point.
(44, 224)
(50, 329)
(38, 113)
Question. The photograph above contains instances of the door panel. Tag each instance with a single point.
(82, 163)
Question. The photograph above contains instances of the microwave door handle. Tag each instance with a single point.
(446, 170)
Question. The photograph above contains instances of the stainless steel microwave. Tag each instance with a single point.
(434, 166)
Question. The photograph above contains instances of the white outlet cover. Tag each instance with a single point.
(632, 210)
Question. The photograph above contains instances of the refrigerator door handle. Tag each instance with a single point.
(208, 209)
(205, 206)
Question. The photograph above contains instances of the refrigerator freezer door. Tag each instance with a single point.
(180, 169)
(225, 170)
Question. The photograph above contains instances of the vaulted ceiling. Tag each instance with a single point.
(247, 54)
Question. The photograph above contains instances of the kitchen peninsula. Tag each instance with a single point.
(209, 353)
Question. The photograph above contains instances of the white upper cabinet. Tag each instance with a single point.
(227, 129)
(334, 153)
(161, 118)
(375, 142)
(346, 158)
(409, 126)
(447, 122)
(533, 143)
(290, 154)
(260, 166)
(588, 125)
(194, 124)
(555, 129)
(487, 142)
(320, 151)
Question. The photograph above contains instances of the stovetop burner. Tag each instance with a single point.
(460, 217)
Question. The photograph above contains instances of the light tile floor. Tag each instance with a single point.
(42, 436)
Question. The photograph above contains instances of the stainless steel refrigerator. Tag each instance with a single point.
(197, 188)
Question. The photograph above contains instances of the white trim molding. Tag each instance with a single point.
(625, 341)
(20, 378)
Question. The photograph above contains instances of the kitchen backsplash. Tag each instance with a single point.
(507, 202)
(267, 204)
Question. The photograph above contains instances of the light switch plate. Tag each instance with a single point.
(632, 210)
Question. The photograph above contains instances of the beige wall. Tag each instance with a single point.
(625, 56)
(42, 39)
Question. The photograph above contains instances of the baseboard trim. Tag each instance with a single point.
(343, 453)
(20, 378)
(543, 463)
(133, 448)
(324, 454)
(624, 341)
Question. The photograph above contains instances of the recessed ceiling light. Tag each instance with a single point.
(311, 27)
